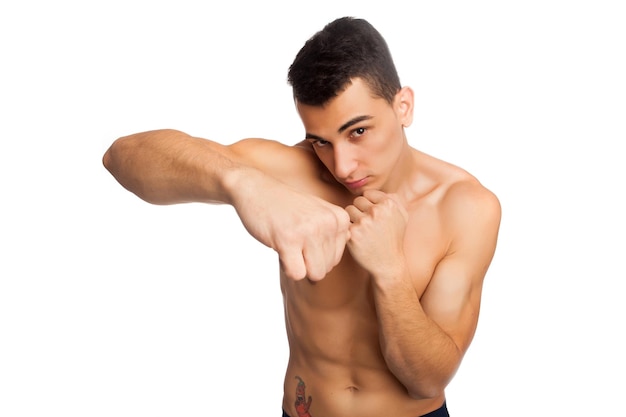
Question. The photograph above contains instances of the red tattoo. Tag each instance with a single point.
(302, 406)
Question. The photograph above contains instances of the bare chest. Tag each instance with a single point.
(348, 285)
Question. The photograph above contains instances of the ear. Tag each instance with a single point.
(404, 106)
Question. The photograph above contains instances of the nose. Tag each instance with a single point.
(345, 161)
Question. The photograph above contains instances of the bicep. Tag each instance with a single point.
(452, 300)
(453, 296)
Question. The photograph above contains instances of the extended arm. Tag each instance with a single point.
(168, 167)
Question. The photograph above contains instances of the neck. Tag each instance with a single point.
(400, 181)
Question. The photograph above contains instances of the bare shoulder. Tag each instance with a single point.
(295, 165)
(465, 205)
(471, 213)
(459, 195)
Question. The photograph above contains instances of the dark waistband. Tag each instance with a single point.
(440, 412)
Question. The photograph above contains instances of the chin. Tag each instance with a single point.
(360, 191)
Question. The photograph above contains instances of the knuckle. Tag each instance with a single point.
(316, 275)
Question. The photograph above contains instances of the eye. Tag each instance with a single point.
(359, 131)
(319, 143)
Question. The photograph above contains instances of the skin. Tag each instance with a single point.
(383, 249)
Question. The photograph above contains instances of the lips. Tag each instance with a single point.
(353, 185)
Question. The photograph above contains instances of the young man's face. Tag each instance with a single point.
(358, 137)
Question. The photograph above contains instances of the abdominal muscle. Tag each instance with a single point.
(336, 367)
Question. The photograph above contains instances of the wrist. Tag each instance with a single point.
(241, 183)
(236, 183)
(391, 275)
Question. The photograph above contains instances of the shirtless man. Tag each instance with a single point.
(383, 249)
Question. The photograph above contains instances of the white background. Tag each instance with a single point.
(110, 306)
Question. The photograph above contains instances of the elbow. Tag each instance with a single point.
(107, 159)
(424, 391)
(127, 147)
(139, 163)
(114, 155)
(431, 384)
(115, 161)
(425, 394)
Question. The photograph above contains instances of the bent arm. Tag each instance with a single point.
(261, 179)
(169, 167)
(424, 340)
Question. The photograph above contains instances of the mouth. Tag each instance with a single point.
(355, 185)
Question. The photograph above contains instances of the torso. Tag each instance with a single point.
(335, 356)
(334, 349)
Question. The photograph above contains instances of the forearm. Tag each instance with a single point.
(168, 167)
(418, 352)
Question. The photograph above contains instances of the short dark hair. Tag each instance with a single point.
(344, 49)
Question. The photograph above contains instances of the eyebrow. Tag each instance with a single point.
(343, 127)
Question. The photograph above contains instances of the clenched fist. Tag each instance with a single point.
(377, 231)
(308, 233)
